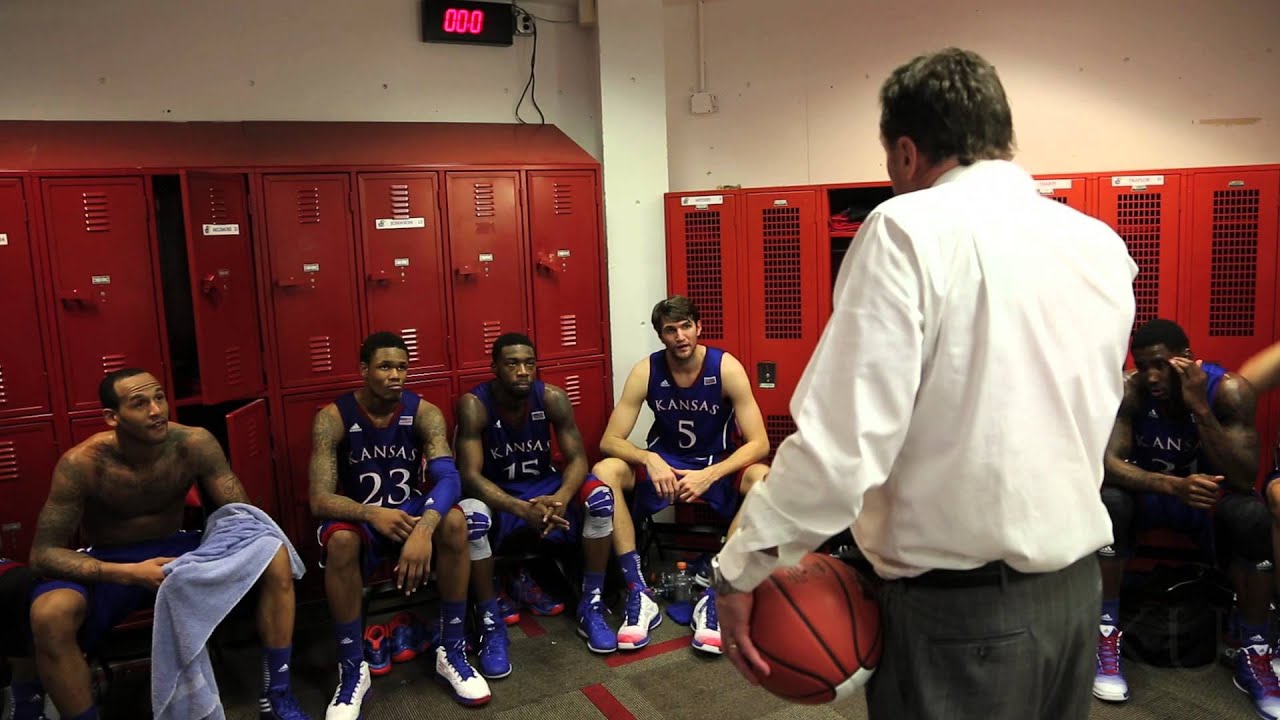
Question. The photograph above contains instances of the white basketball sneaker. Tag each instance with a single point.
(706, 624)
(353, 685)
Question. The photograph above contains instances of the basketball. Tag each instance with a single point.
(817, 625)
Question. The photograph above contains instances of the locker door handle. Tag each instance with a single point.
(209, 285)
(74, 298)
(550, 262)
(380, 277)
(288, 282)
(465, 270)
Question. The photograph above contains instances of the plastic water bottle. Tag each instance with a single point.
(682, 584)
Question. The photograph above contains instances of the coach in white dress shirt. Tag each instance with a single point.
(955, 413)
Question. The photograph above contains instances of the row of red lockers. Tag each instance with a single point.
(759, 263)
(94, 277)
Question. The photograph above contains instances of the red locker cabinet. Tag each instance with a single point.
(83, 428)
(1143, 209)
(564, 238)
(24, 357)
(225, 301)
(704, 264)
(404, 264)
(783, 296)
(312, 278)
(28, 454)
(249, 451)
(438, 391)
(299, 414)
(107, 304)
(1070, 191)
(485, 239)
(588, 391)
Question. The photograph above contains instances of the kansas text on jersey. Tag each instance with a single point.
(696, 422)
(379, 466)
(516, 454)
(1171, 444)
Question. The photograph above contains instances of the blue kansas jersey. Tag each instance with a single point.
(1171, 445)
(696, 422)
(379, 466)
(514, 455)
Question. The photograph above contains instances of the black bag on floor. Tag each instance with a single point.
(1171, 620)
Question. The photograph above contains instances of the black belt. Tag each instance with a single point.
(993, 573)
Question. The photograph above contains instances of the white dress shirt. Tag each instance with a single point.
(958, 404)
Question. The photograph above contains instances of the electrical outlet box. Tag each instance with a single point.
(524, 24)
(702, 103)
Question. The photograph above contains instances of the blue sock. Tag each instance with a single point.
(350, 641)
(90, 714)
(28, 696)
(1253, 634)
(488, 612)
(630, 563)
(592, 586)
(452, 624)
(277, 660)
(1110, 612)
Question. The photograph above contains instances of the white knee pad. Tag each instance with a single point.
(479, 520)
(598, 522)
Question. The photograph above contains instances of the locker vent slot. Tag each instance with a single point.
(112, 363)
(218, 212)
(400, 201)
(568, 330)
(8, 461)
(492, 331)
(308, 206)
(1138, 222)
(4, 396)
(253, 440)
(702, 263)
(573, 388)
(234, 365)
(410, 337)
(1059, 199)
(97, 212)
(1233, 267)
(485, 205)
(783, 311)
(321, 353)
(778, 428)
(562, 199)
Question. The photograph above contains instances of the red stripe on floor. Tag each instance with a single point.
(530, 626)
(606, 703)
(623, 657)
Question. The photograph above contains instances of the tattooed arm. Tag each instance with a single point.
(429, 427)
(472, 418)
(209, 464)
(60, 520)
(326, 502)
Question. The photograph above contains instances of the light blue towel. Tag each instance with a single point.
(199, 589)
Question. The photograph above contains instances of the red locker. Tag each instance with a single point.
(1231, 261)
(86, 427)
(1144, 211)
(404, 264)
(564, 238)
(488, 262)
(588, 392)
(24, 365)
(1070, 191)
(103, 281)
(249, 450)
(299, 414)
(704, 264)
(313, 278)
(784, 293)
(28, 454)
(439, 392)
(225, 301)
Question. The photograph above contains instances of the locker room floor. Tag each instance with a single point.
(556, 677)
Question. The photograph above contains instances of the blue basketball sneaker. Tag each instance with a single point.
(593, 626)
(493, 658)
(377, 650)
(1255, 677)
(408, 637)
(526, 591)
(280, 707)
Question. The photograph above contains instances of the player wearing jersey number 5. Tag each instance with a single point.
(701, 400)
(368, 490)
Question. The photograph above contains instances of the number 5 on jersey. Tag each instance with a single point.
(686, 430)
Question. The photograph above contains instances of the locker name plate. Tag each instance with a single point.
(4, 239)
(702, 201)
(402, 262)
(1046, 187)
(227, 229)
(100, 280)
(1136, 180)
(564, 253)
(398, 223)
(311, 267)
(486, 257)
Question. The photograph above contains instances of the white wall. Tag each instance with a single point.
(281, 60)
(1094, 84)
